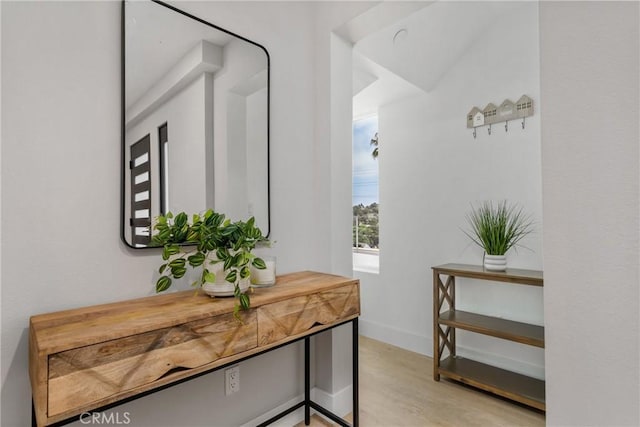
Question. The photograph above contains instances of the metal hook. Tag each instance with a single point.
(523, 123)
(489, 129)
(474, 133)
(506, 126)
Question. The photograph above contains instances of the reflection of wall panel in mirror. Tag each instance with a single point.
(210, 88)
(240, 119)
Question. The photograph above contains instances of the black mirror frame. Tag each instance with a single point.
(122, 115)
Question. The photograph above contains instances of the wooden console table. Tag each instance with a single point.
(95, 358)
(521, 388)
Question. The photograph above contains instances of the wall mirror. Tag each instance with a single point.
(195, 120)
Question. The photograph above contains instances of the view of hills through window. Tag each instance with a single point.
(365, 184)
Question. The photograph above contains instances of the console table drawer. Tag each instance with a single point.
(294, 316)
(88, 375)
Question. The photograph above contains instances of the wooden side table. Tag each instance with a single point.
(521, 388)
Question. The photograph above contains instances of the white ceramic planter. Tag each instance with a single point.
(224, 289)
(495, 262)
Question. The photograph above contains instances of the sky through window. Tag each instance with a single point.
(365, 167)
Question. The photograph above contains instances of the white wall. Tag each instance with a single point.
(185, 114)
(235, 159)
(257, 170)
(331, 187)
(1, 118)
(247, 189)
(590, 138)
(243, 61)
(332, 175)
(432, 169)
(61, 196)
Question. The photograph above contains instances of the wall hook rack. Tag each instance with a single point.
(506, 111)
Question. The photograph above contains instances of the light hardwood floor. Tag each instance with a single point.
(397, 390)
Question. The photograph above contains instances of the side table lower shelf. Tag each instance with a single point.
(511, 385)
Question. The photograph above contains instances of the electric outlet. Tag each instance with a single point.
(232, 380)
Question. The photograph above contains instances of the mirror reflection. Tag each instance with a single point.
(195, 120)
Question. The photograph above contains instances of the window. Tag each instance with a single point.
(365, 198)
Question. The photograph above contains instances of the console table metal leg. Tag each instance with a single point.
(307, 382)
(354, 365)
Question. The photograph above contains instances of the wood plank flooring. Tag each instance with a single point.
(397, 390)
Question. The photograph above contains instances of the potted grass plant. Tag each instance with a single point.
(496, 228)
(219, 248)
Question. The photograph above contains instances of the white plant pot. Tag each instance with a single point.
(495, 262)
(224, 288)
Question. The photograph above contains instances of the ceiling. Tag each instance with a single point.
(155, 39)
(433, 37)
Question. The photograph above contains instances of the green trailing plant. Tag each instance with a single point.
(209, 239)
(374, 143)
(498, 228)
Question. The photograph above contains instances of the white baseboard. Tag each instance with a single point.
(403, 339)
(340, 403)
(424, 345)
(500, 361)
(287, 421)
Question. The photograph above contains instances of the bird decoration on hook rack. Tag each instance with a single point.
(506, 111)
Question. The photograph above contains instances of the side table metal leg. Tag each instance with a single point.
(307, 382)
(354, 368)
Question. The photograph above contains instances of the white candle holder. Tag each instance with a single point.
(266, 277)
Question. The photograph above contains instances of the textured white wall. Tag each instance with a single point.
(61, 189)
(589, 70)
